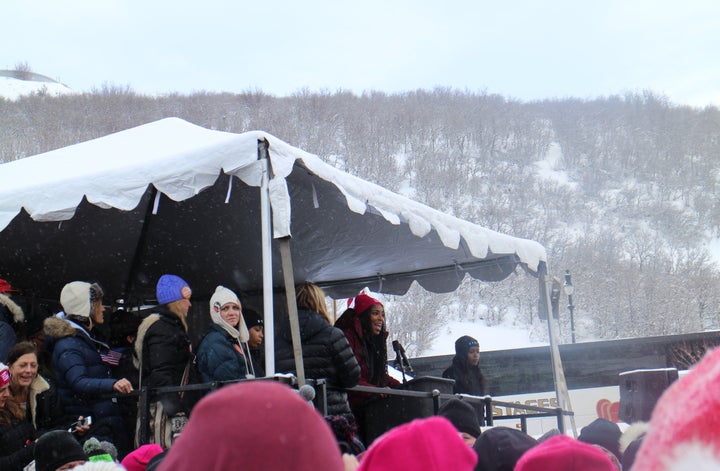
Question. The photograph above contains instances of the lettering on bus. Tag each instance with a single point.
(545, 402)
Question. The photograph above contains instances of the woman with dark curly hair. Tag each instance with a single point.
(364, 326)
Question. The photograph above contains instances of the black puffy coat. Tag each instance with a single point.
(164, 351)
(17, 443)
(326, 354)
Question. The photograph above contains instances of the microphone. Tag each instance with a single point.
(307, 392)
(400, 355)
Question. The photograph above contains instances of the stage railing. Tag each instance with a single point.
(320, 386)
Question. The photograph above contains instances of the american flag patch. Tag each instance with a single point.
(111, 357)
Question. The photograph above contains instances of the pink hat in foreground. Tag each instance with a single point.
(431, 444)
(138, 460)
(563, 453)
(253, 426)
(685, 424)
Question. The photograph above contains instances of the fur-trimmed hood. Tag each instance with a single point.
(15, 310)
(38, 386)
(632, 433)
(58, 328)
(142, 330)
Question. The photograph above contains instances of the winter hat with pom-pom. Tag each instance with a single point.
(95, 451)
(684, 430)
(172, 288)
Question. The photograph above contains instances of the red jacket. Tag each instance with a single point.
(350, 324)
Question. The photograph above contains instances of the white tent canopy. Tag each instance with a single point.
(163, 198)
(56, 217)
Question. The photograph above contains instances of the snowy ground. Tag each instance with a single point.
(490, 338)
(13, 89)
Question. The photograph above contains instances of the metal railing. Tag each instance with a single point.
(533, 412)
(147, 395)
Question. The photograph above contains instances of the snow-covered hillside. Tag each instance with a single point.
(12, 88)
(490, 338)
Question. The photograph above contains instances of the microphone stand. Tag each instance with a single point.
(399, 360)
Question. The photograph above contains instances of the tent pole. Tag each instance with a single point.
(561, 391)
(286, 258)
(266, 243)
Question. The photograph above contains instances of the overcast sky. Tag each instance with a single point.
(525, 50)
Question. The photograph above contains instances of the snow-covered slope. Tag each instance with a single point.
(490, 338)
(12, 88)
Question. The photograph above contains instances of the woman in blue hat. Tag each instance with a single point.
(165, 358)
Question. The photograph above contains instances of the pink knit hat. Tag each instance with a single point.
(4, 375)
(138, 460)
(431, 444)
(254, 425)
(563, 453)
(685, 424)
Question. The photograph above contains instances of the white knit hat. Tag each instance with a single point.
(75, 299)
(221, 297)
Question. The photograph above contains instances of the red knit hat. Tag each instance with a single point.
(431, 444)
(254, 425)
(362, 302)
(563, 453)
(684, 428)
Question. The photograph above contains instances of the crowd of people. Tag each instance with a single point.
(80, 411)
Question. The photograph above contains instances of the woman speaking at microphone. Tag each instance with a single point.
(364, 326)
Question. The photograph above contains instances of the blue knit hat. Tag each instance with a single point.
(172, 288)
